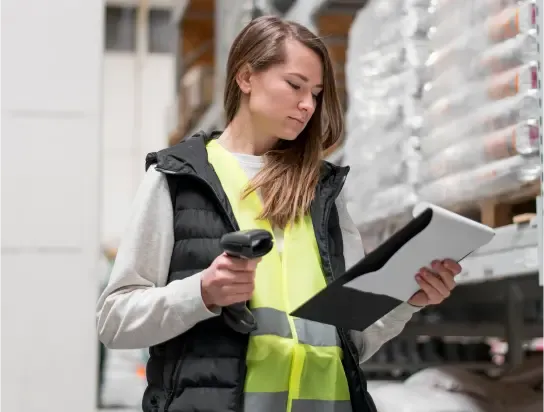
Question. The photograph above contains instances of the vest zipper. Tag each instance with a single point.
(354, 356)
(328, 215)
(175, 377)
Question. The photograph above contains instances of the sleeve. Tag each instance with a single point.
(372, 338)
(137, 309)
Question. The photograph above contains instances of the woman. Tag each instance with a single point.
(171, 279)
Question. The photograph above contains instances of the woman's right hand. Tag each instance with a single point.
(228, 280)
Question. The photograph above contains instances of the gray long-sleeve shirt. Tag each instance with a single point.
(138, 309)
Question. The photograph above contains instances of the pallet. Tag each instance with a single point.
(515, 207)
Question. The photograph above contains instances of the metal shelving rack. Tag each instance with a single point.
(517, 250)
(509, 270)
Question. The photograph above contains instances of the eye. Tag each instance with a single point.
(294, 86)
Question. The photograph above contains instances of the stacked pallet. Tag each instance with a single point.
(383, 84)
(480, 104)
(443, 107)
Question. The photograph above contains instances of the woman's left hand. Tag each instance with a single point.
(436, 283)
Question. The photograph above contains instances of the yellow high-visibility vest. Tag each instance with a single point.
(293, 365)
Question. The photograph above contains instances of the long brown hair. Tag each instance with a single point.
(291, 171)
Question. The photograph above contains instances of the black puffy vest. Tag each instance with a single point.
(203, 370)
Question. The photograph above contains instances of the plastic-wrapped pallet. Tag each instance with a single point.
(455, 389)
(386, 51)
(481, 100)
(403, 398)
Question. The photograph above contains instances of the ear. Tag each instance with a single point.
(243, 78)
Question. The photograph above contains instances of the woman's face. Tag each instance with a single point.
(282, 99)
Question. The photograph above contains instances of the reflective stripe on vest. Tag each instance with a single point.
(293, 364)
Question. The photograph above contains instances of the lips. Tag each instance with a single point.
(298, 120)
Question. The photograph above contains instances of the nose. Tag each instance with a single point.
(307, 104)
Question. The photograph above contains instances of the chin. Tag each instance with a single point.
(289, 135)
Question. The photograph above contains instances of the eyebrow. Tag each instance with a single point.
(304, 78)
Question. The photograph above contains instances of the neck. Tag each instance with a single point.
(241, 136)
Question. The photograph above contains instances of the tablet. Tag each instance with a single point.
(385, 278)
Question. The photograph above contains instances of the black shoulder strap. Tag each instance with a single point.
(191, 150)
(150, 159)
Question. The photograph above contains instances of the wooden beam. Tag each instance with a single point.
(197, 54)
(334, 24)
(343, 7)
(334, 29)
(197, 37)
(201, 6)
(338, 54)
(335, 40)
(197, 15)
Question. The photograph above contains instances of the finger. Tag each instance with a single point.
(236, 298)
(238, 289)
(436, 282)
(242, 265)
(230, 277)
(452, 265)
(233, 263)
(419, 299)
(447, 276)
(432, 294)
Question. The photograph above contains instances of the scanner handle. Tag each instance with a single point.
(247, 244)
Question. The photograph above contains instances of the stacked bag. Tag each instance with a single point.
(480, 101)
(443, 104)
(387, 50)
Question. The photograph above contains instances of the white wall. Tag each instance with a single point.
(51, 72)
(136, 97)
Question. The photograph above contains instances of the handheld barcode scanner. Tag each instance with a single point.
(245, 244)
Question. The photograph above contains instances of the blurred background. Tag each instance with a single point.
(443, 103)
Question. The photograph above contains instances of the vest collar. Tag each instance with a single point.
(190, 157)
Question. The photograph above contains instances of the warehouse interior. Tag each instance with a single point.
(442, 102)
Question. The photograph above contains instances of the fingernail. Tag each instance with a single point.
(418, 277)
